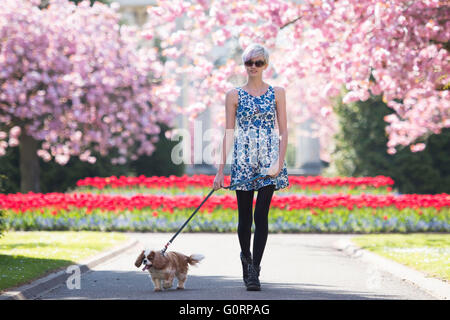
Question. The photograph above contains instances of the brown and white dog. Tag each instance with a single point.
(164, 268)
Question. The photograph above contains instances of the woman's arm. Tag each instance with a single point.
(231, 101)
(280, 98)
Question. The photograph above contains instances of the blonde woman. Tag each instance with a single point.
(256, 125)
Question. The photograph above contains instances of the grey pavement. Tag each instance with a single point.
(294, 267)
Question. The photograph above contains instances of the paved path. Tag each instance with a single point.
(299, 267)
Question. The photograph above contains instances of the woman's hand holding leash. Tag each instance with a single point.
(218, 181)
(274, 170)
(271, 172)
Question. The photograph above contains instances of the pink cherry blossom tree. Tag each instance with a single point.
(394, 48)
(71, 81)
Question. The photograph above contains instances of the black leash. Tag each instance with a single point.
(260, 176)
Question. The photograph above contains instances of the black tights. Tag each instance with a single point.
(245, 208)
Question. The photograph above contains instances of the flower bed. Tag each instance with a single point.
(175, 184)
(323, 213)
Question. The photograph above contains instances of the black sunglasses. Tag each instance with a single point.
(257, 63)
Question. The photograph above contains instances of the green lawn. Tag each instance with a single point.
(25, 256)
(429, 253)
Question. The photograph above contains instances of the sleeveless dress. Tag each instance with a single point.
(256, 142)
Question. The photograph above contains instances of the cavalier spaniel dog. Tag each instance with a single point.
(164, 268)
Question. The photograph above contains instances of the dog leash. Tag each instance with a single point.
(260, 176)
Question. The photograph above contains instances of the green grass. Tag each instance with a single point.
(25, 256)
(429, 253)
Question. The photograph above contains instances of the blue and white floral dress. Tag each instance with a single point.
(256, 142)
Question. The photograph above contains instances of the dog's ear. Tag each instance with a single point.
(151, 256)
(139, 259)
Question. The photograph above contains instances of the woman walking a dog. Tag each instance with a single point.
(256, 126)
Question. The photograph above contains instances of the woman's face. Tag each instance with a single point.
(255, 66)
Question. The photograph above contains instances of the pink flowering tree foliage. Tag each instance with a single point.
(394, 48)
(72, 81)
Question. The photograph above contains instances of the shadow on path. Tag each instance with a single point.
(138, 286)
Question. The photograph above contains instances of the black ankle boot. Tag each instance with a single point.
(253, 278)
(246, 261)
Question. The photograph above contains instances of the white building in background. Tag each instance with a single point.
(303, 155)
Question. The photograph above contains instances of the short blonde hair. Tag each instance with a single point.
(255, 50)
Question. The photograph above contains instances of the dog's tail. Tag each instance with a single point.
(195, 258)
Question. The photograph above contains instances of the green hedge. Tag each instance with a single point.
(361, 150)
(57, 178)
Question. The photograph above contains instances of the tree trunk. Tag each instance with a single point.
(29, 164)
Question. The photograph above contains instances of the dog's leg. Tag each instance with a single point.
(157, 283)
(168, 283)
(182, 277)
